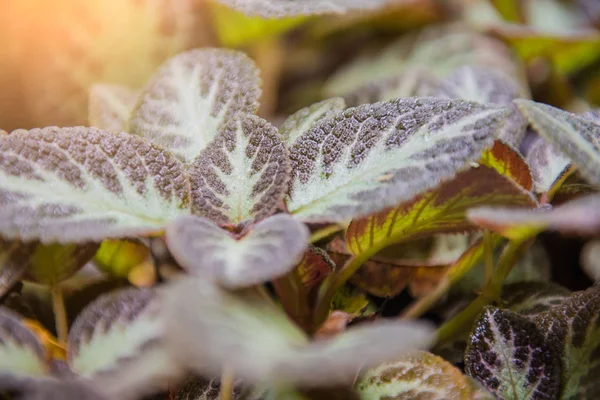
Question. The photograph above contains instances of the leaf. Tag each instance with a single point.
(192, 95)
(303, 120)
(548, 166)
(116, 341)
(487, 86)
(507, 161)
(21, 353)
(118, 257)
(579, 216)
(576, 137)
(74, 185)
(110, 106)
(15, 258)
(590, 259)
(511, 10)
(350, 301)
(572, 330)
(314, 267)
(434, 51)
(242, 176)
(418, 375)
(205, 322)
(202, 389)
(442, 210)
(283, 8)
(508, 355)
(531, 298)
(54, 263)
(378, 155)
(51, 388)
(269, 250)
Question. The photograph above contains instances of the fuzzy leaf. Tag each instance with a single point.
(118, 257)
(442, 210)
(508, 355)
(507, 161)
(303, 120)
(580, 216)
(487, 86)
(15, 259)
(53, 263)
(184, 104)
(51, 388)
(84, 184)
(314, 267)
(202, 389)
(21, 353)
(117, 342)
(269, 250)
(548, 166)
(378, 155)
(531, 298)
(576, 137)
(572, 328)
(242, 175)
(110, 106)
(418, 375)
(205, 322)
(432, 52)
(284, 8)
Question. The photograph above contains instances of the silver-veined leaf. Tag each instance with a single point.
(579, 216)
(116, 342)
(243, 174)
(286, 8)
(205, 323)
(575, 136)
(21, 353)
(299, 123)
(508, 355)
(51, 388)
(418, 375)
(269, 250)
(110, 106)
(85, 184)
(377, 155)
(487, 86)
(573, 330)
(15, 259)
(531, 298)
(547, 165)
(192, 95)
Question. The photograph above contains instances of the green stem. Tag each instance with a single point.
(325, 232)
(490, 292)
(60, 314)
(488, 251)
(226, 391)
(422, 305)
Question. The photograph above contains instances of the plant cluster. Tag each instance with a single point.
(206, 252)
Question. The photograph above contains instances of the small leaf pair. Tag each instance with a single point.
(114, 350)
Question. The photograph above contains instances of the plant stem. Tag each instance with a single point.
(226, 389)
(60, 314)
(269, 56)
(421, 306)
(488, 251)
(324, 232)
(491, 291)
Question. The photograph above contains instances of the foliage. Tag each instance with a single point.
(313, 204)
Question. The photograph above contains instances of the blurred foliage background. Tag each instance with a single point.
(52, 52)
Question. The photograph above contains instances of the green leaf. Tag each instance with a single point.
(81, 184)
(21, 353)
(375, 156)
(269, 250)
(579, 216)
(442, 210)
(116, 341)
(350, 301)
(206, 322)
(432, 52)
(487, 86)
(576, 137)
(303, 120)
(572, 328)
(548, 166)
(53, 263)
(508, 355)
(118, 257)
(243, 174)
(418, 375)
(283, 8)
(192, 95)
(110, 106)
(511, 10)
